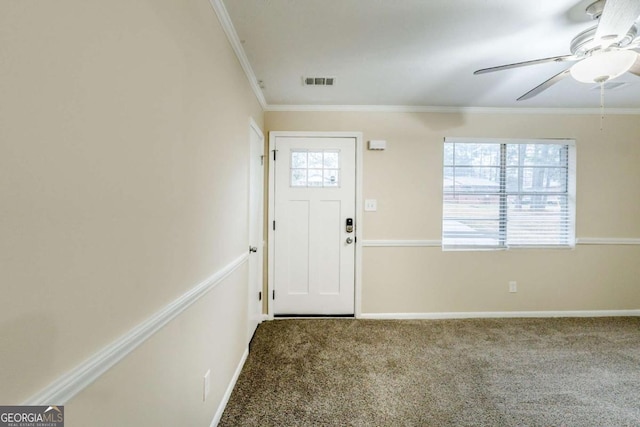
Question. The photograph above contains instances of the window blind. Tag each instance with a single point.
(499, 194)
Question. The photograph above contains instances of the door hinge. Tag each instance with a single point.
(262, 160)
(260, 296)
(273, 294)
(274, 225)
(274, 154)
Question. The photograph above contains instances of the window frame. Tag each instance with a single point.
(504, 193)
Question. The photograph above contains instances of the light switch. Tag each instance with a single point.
(370, 205)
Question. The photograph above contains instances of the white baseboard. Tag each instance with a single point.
(229, 390)
(502, 314)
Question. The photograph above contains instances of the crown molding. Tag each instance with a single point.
(234, 40)
(458, 110)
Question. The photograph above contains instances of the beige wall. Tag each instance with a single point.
(406, 180)
(123, 181)
(124, 132)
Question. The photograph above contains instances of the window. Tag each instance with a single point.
(501, 194)
(316, 168)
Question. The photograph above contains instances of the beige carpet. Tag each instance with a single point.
(506, 372)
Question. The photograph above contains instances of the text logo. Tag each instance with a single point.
(31, 416)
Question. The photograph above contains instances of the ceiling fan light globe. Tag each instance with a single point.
(603, 66)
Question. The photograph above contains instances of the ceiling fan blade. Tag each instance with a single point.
(616, 19)
(546, 85)
(526, 63)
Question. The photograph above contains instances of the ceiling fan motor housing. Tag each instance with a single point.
(584, 43)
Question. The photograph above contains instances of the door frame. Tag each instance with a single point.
(254, 127)
(359, 213)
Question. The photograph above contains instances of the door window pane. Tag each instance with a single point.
(331, 177)
(331, 160)
(298, 177)
(298, 159)
(315, 159)
(315, 168)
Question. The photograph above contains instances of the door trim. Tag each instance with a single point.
(359, 213)
(254, 127)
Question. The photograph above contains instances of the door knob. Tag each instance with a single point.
(349, 240)
(253, 249)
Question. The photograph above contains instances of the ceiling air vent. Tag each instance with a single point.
(318, 81)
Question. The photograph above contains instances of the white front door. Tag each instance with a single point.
(256, 209)
(314, 249)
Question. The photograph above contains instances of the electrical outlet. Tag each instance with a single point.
(513, 286)
(206, 385)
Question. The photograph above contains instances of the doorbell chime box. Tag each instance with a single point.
(377, 144)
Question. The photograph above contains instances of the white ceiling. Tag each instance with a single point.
(417, 52)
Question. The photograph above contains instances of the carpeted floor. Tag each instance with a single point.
(480, 372)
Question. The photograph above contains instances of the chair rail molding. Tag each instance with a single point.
(408, 243)
(63, 389)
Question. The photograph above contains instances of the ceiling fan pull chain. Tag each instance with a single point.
(601, 104)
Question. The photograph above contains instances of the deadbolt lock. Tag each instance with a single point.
(349, 225)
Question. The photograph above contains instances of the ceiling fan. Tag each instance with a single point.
(600, 53)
